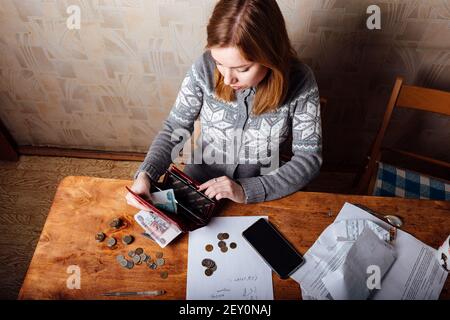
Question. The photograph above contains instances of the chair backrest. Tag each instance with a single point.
(405, 96)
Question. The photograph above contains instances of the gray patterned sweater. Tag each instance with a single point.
(238, 144)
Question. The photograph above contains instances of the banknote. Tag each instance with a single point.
(164, 200)
(163, 231)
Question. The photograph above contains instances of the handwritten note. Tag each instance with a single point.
(241, 273)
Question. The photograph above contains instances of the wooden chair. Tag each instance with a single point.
(411, 97)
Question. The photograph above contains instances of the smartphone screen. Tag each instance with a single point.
(277, 252)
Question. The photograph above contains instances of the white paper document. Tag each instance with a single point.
(241, 273)
(415, 274)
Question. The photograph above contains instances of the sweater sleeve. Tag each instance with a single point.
(181, 119)
(307, 149)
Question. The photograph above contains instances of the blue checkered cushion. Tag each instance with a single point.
(395, 182)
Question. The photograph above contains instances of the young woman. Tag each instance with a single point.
(251, 94)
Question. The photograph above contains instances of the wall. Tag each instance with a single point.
(109, 85)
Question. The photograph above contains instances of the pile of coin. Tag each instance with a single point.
(222, 243)
(138, 256)
(124, 262)
(210, 266)
(111, 242)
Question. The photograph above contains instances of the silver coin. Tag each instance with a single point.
(130, 264)
(128, 239)
(137, 259)
(152, 266)
(124, 263)
(160, 262)
(111, 242)
(131, 253)
(120, 258)
(144, 257)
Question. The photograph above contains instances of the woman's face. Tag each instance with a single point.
(237, 72)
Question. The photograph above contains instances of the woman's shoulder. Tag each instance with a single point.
(301, 80)
(203, 70)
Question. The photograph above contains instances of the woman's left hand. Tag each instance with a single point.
(223, 187)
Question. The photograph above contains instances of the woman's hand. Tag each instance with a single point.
(141, 186)
(223, 187)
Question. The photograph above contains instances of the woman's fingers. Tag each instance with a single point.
(134, 203)
(209, 183)
(223, 187)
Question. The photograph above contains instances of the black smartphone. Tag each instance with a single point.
(276, 251)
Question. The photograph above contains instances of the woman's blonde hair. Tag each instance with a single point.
(258, 30)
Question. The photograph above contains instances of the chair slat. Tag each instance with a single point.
(424, 99)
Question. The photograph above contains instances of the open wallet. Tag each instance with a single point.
(194, 208)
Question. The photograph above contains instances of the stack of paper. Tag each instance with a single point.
(410, 268)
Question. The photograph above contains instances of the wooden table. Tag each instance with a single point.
(84, 206)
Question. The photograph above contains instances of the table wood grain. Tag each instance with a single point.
(84, 206)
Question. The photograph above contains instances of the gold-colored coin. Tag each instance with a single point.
(209, 247)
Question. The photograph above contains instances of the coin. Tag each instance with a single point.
(120, 258)
(115, 223)
(152, 265)
(130, 264)
(131, 253)
(159, 255)
(221, 244)
(233, 245)
(208, 272)
(124, 263)
(100, 236)
(111, 242)
(224, 249)
(160, 262)
(209, 247)
(128, 239)
(206, 262)
(220, 236)
(139, 251)
(144, 257)
(137, 259)
(164, 274)
(225, 236)
(214, 268)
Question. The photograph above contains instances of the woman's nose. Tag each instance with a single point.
(228, 78)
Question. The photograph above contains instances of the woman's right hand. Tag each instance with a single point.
(141, 186)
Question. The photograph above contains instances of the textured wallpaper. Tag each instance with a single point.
(110, 84)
